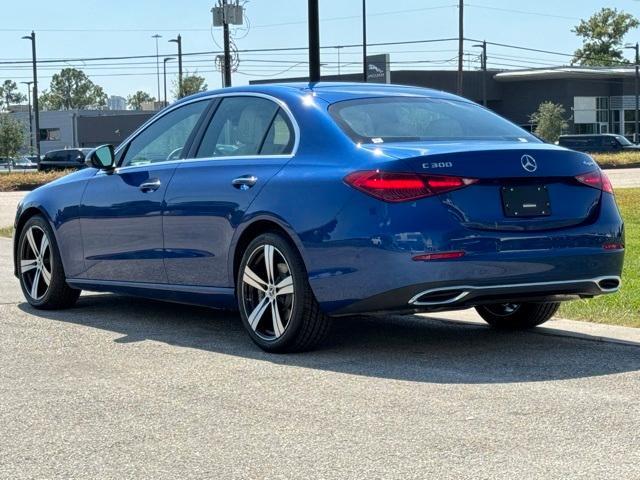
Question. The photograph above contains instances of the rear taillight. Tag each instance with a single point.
(402, 187)
(596, 179)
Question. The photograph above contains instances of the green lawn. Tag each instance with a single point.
(622, 308)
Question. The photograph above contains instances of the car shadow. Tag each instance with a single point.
(407, 347)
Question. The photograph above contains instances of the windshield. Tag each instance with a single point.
(405, 119)
(623, 140)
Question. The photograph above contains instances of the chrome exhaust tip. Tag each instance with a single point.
(609, 284)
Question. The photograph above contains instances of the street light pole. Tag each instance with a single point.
(28, 84)
(156, 36)
(36, 110)
(364, 41)
(460, 46)
(178, 40)
(167, 59)
(483, 66)
(314, 41)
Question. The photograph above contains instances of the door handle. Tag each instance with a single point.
(245, 182)
(150, 185)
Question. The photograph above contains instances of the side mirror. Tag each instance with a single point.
(102, 157)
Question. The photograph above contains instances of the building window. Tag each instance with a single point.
(602, 109)
(49, 134)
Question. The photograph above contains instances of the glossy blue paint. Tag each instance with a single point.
(179, 242)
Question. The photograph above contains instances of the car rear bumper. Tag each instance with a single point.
(428, 298)
(372, 267)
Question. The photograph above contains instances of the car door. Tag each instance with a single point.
(121, 210)
(247, 141)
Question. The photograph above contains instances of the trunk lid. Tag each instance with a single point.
(521, 186)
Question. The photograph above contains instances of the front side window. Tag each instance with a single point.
(404, 119)
(165, 138)
(245, 126)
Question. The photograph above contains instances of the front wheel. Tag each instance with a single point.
(42, 277)
(276, 303)
(517, 316)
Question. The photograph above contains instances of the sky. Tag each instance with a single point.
(78, 29)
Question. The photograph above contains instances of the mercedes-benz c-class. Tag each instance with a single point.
(299, 203)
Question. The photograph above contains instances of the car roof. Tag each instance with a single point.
(332, 91)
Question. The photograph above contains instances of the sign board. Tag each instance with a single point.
(378, 68)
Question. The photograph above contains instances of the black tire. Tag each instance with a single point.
(517, 316)
(57, 294)
(301, 324)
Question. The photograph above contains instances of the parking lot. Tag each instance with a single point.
(125, 388)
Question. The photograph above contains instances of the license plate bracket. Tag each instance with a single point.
(526, 201)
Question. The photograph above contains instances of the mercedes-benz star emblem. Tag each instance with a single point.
(529, 163)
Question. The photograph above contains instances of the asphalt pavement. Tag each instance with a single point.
(126, 388)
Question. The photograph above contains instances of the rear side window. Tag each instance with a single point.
(244, 126)
(406, 119)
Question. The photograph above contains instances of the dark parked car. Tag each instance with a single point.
(607, 142)
(68, 159)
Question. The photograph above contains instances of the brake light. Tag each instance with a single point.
(425, 257)
(596, 179)
(402, 187)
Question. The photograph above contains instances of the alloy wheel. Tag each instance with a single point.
(267, 292)
(35, 262)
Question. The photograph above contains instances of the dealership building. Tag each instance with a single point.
(61, 129)
(597, 100)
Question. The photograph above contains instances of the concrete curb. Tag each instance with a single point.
(595, 332)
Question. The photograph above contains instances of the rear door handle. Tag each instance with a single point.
(151, 185)
(244, 182)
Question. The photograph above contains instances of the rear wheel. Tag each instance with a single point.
(41, 274)
(517, 316)
(276, 303)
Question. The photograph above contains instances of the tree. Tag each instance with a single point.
(9, 94)
(190, 84)
(136, 100)
(602, 37)
(549, 120)
(12, 136)
(72, 89)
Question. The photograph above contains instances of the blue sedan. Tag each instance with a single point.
(299, 203)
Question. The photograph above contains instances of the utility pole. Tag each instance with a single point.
(36, 110)
(227, 48)
(167, 59)
(364, 40)
(28, 84)
(637, 89)
(178, 40)
(483, 67)
(226, 14)
(460, 44)
(156, 36)
(636, 47)
(314, 41)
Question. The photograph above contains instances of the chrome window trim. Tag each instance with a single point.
(213, 96)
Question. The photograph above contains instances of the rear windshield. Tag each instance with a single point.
(403, 119)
